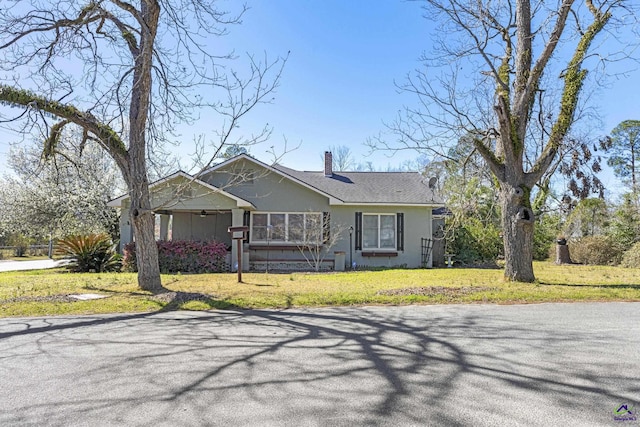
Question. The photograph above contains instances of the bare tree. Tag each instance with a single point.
(314, 236)
(514, 73)
(126, 73)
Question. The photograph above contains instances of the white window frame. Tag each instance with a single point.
(286, 240)
(395, 232)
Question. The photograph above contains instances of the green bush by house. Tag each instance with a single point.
(184, 256)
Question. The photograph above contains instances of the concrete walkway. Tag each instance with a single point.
(9, 265)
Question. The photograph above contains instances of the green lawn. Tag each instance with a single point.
(46, 292)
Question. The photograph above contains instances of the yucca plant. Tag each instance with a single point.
(89, 253)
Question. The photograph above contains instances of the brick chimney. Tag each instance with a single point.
(328, 164)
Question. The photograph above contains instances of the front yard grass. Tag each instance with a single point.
(46, 292)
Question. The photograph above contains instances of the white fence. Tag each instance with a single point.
(31, 250)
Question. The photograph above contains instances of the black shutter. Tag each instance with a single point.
(358, 231)
(246, 221)
(400, 231)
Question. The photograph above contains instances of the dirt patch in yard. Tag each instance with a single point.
(430, 291)
(181, 297)
(47, 298)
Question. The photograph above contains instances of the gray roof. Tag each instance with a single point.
(399, 188)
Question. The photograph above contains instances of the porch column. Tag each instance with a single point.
(237, 217)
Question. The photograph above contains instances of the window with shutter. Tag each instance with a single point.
(378, 231)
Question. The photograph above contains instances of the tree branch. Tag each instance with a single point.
(108, 138)
(527, 90)
(574, 79)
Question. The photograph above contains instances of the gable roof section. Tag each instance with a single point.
(372, 188)
(356, 188)
(241, 202)
(275, 169)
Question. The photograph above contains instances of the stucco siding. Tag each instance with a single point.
(417, 224)
(268, 191)
(179, 194)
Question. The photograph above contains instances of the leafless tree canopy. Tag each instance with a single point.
(86, 54)
(476, 60)
(127, 74)
(510, 74)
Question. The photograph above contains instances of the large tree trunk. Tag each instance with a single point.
(147, 254)
(142, 216)
(35, 38)
(143, 222)
(562, 253)
(517, 224)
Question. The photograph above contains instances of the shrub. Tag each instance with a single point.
(20, 244)
(183, 256)
(597, 250)
(544, 236)
(474, 242)
(625, 224)
(89, 253)
(631, 258)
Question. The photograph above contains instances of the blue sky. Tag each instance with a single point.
(338, 85)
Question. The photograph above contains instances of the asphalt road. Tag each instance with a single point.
(462, 365)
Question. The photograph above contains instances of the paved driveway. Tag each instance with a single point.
(6, 265)
(478, 365)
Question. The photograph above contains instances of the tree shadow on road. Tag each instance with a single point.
(170, 300)
(403, 366)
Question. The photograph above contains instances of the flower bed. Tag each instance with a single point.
(184, 256)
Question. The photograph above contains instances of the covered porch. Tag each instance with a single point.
(186, 208)
(194, 225)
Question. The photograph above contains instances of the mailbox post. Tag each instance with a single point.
(238, 234)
